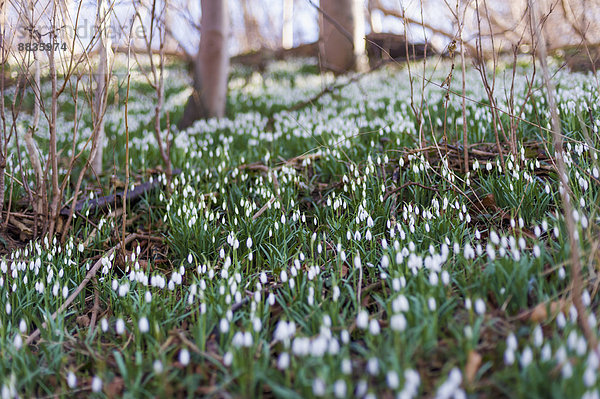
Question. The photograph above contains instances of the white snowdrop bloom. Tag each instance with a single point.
(71, 379)
(392, 379)
(346, 366)
(546, 353)
(526, 357)
(374, 328)
(357, 261)
(362, 320)
(96, 384)
(336, 293)
(567, 370)
(538, 336)
(339, 388)
(479, 306)
(22, 326)
(585, 298)
(469, 253)
(80, 247)
(433, 279)
(120, 326)
(361, 388)
(263, 277)
(228, 359)
(319, 388)
(143, 325)
(283, 276)
(256, 324)
(511, 341)
(494, 237)
(18, 341)
(157, 366)
(589, 377)
(509, 357)
(283, 361)
(431, 304)
(345, 337)
(373, 366)
(104, 324)
(385, 261)
(398, 322)
(445, 278)
(468, 303)
(184, 357)
(224, 325)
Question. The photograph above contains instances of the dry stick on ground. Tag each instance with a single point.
(96, 306)
(566, 194)
(82, 285)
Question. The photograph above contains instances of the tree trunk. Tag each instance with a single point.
(287, 32)
(342, 35)
(211, 67)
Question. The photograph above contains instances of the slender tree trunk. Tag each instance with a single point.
(287, 33)
(102, 79)
(211, 67)
(343, 35)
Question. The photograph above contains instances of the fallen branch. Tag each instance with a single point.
(105, 201)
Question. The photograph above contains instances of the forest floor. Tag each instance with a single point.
(335, 247)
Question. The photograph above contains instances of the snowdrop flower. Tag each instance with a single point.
(346, 366)
(143, 325)
(362, 320)
(71, 379)
(319, 387)
(392, 379)
(184, 357)
(398, 322)
(96, 384)
(104, 324)
(120, 326)
(538, 336)
(224, 325)
(18, 341)
(373, 366)
(509, 357)
(431, 304)
(357, 261)
(283, 362)
(157, 366)
(526, 357)
(479, 306)
(22, 326)
(589, 377)
(228, 359)
(339, 389)
(374, 327)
